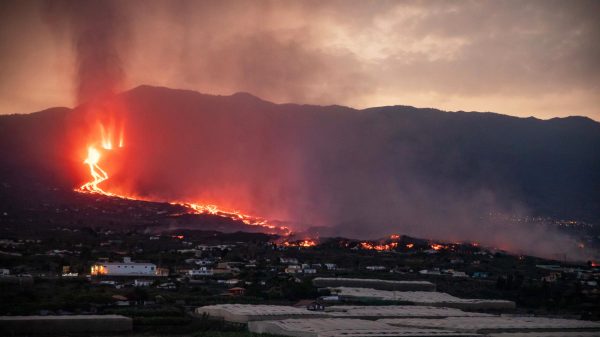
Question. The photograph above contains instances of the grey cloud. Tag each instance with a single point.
(342, 52)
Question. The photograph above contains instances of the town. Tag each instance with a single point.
(160, 280)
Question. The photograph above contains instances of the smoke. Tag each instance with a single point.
(353, 173)
(537, 58)
(98, 30)
(360, 173)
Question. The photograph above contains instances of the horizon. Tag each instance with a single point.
(450, 56)
(211, 167)
(316, 105)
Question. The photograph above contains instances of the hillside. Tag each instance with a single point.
(395, 168)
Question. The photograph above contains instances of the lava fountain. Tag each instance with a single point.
(99, 175)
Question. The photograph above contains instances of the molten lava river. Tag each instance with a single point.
(99, 175)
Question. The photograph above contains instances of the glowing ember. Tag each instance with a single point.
(121, 138)
(394, 236)
(378, 247)
(436, 246)
(99, 175)
(302, 243)
(98, 269)
(307, 243)
(410, 245)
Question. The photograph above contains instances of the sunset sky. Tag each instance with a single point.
(523, 58)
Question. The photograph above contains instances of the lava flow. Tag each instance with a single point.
(99, 175)
(299, 243)
(378, 247)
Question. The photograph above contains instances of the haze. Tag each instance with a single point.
(533, 58)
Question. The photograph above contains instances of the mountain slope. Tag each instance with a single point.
(365, 172)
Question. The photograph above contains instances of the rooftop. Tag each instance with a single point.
(496, 324)
(333, 327)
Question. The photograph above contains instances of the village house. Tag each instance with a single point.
(125, 268)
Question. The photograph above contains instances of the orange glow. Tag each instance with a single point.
(180, 237)
(410, 245)
(98, 175)
(98, 269)
(378, 247)
(436, 246)
(106, 137)
(121, 138)
(394, 236)
(302, 243)
(307, 243)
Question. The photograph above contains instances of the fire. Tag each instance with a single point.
(121, 138)
(302, 243)
(98, 175)
(378, 247)
(436, 246)
(307, 243)
(410, 245)
(98, 269)
(394, 236)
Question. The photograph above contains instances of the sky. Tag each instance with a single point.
(523, 58)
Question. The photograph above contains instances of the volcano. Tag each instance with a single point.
(359, 173)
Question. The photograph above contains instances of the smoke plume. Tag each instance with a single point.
(98, 31)
(360, 173)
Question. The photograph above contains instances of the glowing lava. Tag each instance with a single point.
(99, 175)
(378, 247)
(436, 246)
(301, 243)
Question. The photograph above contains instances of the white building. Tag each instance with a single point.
(125, 268)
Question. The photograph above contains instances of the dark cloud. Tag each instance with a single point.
(98, 32)
(537, 57)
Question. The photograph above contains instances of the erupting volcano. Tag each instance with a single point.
(99, 175)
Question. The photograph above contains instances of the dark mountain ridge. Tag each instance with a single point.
(375, 170)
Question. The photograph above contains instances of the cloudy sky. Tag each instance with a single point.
(524, 58)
